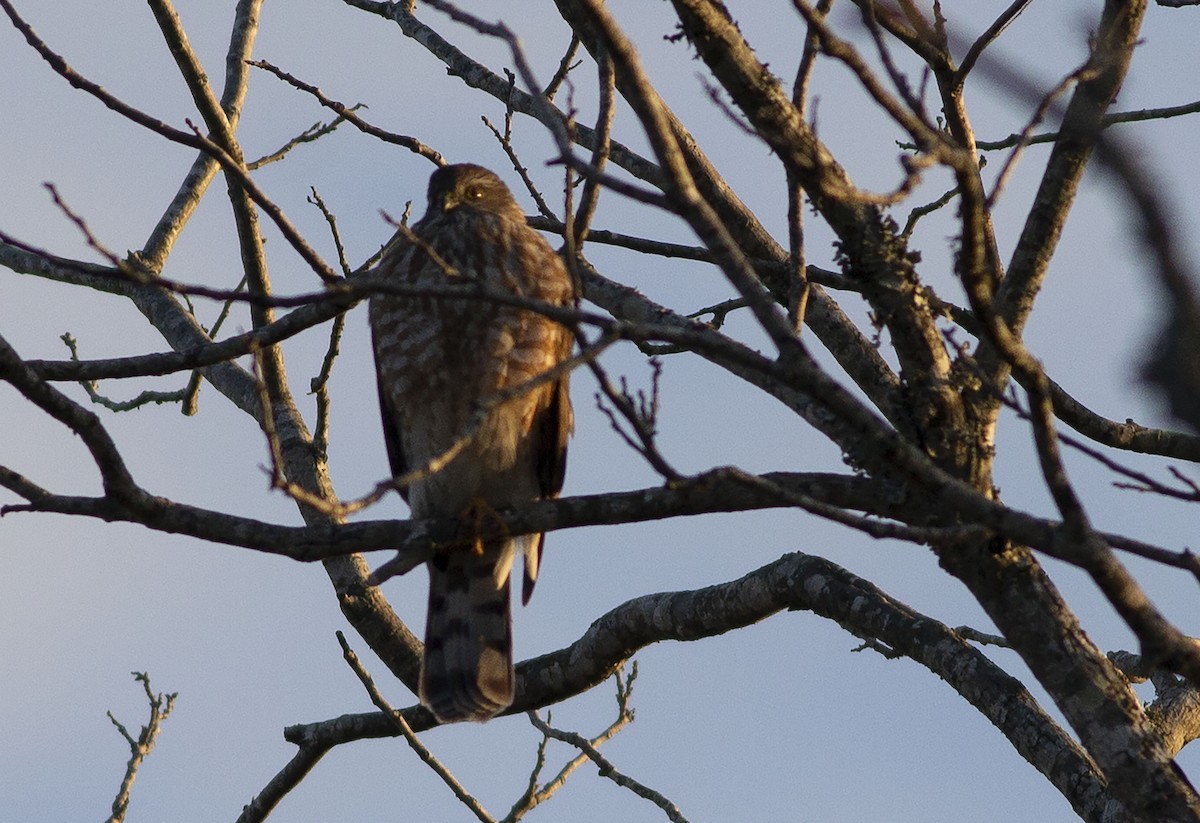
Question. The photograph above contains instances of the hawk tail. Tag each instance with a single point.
(468, 670)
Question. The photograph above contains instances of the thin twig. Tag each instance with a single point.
(983, 638)
(348, 113)
(144, 398)
(607, 769)
(604, 122)
(1078, 76)
(313, 133)
(1142, 481)
(427, 757)
(315, 198)
(1136, 116)
(565, 65)
(320, 387)
(505, 140)
(161, 706)
(192, 392)
(640, 412)
(987, 38)
(929, 208)
(536, 794)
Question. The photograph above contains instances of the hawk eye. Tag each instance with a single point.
(474, 192)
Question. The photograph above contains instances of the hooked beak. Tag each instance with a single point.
(446, 203)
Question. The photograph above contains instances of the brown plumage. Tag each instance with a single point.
(440, 361)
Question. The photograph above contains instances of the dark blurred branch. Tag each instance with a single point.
(1115, 118)
(1082, 123)
(988, 37)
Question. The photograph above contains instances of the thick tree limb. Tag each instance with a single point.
(795, 581)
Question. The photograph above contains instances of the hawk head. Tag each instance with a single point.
(467, 186)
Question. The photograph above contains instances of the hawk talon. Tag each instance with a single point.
(477, 511)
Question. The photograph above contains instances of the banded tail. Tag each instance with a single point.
(468, 670)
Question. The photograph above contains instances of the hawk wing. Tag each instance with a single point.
(392, 424)
(551, 431)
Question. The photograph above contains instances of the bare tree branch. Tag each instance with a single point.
(907, 401)
(161, 706)
(427, 757)
(348, 114)
(607, 769)
(795, 581)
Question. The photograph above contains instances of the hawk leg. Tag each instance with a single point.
(476, 513)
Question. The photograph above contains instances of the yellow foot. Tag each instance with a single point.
(476, 512)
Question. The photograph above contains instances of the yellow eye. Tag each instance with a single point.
(474, 193)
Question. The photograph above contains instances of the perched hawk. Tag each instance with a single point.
(450, 375)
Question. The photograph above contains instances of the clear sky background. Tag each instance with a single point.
(781, 721)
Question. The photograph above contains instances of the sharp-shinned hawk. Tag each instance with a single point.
(450, 374)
